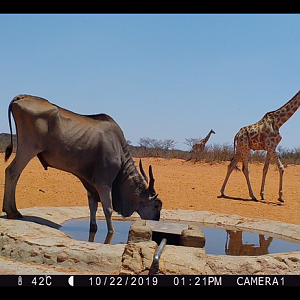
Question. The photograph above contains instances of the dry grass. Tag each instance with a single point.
(216, 153)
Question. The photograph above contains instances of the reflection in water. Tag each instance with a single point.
(234, 244)
(253, 243)
(107, 240)
(79, 229)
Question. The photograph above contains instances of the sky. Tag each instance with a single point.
(160, 76)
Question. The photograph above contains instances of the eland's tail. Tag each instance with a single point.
(9, 148)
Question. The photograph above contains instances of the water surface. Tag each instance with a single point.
(218, 241)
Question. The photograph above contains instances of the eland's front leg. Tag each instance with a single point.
(106, 201)
(93, 205)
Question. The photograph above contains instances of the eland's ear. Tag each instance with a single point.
(151, 183)
(152, 198)
(142, 171)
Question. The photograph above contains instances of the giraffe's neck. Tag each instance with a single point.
(286, 111)
(207, 137)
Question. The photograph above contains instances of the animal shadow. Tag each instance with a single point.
(248, 199)
(38, 220)
(237, 198)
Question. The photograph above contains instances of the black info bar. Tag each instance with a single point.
(151, 280)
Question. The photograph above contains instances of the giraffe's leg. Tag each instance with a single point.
(231, 167)
(265, 171)
(281, 170)
(246, 173)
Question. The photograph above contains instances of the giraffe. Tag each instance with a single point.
(263, 135)
(199, 146)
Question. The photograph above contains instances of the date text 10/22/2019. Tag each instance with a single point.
(149, 280)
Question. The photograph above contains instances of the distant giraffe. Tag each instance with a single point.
(200, 146)
(263, 135)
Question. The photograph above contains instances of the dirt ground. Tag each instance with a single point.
(180, 184)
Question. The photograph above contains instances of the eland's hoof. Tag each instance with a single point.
(19, 215)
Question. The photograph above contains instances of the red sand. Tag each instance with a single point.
(180, 184)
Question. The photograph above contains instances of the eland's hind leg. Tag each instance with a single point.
(12, 174)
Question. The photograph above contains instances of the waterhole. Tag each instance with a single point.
(218, 241)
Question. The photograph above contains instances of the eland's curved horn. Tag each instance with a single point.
(142, 171)
(151, 183)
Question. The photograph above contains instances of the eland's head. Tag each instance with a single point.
(149, 209)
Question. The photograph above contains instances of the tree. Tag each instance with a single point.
(154, 147)
(168, 144)
(190, 142)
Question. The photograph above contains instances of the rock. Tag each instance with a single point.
(192, 237)
(47, 255)
(34, 245)
(131, 258)
(137, 257)
(184, 261)
(62, 257)
(35, 253)
(139, 232)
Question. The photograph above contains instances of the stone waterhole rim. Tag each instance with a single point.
(220, 240)
(286, 231)
(33, 248)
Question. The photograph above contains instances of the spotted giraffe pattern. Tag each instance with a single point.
(263, 135)
(200, 146)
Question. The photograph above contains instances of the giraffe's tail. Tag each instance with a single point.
(234, 145)
(236, 168)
